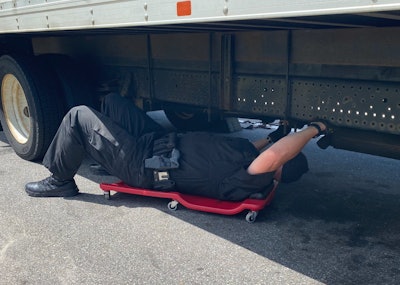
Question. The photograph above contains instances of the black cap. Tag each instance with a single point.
(294, 168)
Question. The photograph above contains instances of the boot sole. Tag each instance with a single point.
(54, 193)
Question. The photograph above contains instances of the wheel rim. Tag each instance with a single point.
(16, 109)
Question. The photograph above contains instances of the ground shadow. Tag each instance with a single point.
(336, 232)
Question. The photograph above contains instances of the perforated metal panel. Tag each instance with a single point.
(364, 105)
(183, 87)
(261, 96)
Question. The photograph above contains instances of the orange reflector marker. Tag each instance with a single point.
(184, 8)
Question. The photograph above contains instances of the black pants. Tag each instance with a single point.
(119, 139)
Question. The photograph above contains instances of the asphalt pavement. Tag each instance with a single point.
(338, 225)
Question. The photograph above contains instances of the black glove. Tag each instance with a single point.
(280, 133)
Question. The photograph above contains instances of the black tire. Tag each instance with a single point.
(75, 79)
(30, 109)
(188, 121)
(196, 121)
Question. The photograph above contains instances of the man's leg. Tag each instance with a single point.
(82, 131)
(125, 113)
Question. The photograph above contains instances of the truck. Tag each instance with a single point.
(202, 61)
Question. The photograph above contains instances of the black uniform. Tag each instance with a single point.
(216, 166)
(121, 138)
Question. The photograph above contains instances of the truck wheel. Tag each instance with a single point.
(188, 121)
(30, 111)
(196, 121)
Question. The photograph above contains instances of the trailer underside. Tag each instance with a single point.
(341, 68)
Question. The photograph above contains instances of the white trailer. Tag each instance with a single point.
(202, 60)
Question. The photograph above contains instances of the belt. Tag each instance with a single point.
(162, 181)
(165, 157)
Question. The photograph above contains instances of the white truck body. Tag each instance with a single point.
(52, 15)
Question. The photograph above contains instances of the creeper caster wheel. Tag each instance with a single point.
(173, 205)
(251, 216)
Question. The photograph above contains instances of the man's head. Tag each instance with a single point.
(294, 169)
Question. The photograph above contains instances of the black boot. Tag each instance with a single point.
(52, 187)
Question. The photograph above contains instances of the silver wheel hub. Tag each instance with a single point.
(16, 109)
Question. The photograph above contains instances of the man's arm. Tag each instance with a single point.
(283, 150)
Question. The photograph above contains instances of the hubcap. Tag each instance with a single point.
(16, 109)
